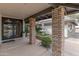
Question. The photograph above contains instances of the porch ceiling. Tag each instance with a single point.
(39, 10)
(21, 10)
(70, 8)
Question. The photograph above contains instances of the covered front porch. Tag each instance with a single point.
(26, 43)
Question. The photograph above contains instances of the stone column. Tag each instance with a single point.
(58, 30)
(24, 33)
(32, 31)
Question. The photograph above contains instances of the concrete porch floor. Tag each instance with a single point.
(20, 47)
(71, 45)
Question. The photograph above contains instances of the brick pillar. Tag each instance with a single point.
(32, 35)
(58, 30)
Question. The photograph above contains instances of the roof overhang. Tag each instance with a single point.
(70, 8)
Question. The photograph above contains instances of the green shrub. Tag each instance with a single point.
(45, 38)
(46, 41)
(40, 35)
(38, 29)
